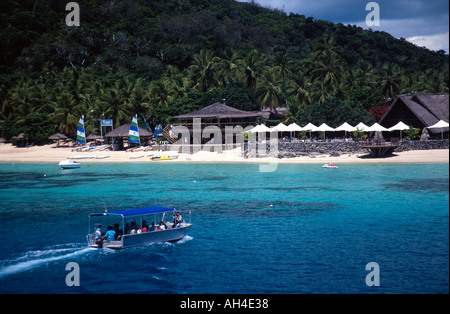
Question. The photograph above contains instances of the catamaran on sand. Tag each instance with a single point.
(136, 233)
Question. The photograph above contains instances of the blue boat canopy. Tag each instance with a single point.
(137, 211)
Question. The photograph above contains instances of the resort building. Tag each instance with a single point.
(119, 136)
(418, 110)
(217, 115)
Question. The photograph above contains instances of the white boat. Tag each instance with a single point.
(329, 165)
(141, 234)
(69, 164)
(136, 156)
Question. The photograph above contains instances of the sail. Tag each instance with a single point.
(133, 136)
(81, 134)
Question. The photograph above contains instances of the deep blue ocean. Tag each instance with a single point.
(300, 229)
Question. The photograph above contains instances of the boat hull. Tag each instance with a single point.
(139, 239)
(69, 164)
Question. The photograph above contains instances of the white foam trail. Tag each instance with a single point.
(33, 263)
(185, 239)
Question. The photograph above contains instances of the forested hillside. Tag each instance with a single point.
(160, 58)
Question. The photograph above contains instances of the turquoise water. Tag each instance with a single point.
(300, 229)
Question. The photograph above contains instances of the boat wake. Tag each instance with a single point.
(36, 258)
(185, 239)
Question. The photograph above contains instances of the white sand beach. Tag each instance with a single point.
(52, 154)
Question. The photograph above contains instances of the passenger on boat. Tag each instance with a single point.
(110, 235)
(98, 236)
(162, 226)
(177, 220)
(153, 228)
(127, 228)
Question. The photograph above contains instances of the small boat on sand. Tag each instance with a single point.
(69, 164)
(329, 165)
(131, 227)
(164, 157)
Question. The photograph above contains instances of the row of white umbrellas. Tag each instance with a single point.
(344, 127)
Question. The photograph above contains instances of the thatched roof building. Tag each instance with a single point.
(418, 110)
(218, 111)
(58, 136)
(123, 131)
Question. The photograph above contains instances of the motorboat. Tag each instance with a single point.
(128, 233)
(329, 165)
(69, 164)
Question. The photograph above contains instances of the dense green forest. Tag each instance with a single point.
(160, 58)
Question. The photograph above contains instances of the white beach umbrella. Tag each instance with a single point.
(377, 128)
(399, 127)
(345, 127)
(309, 127)
(361, 126)
(323, 128)
(293, 127)
(442, 125)
(280, 128)
(260, 128)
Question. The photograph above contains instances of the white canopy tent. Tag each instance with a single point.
(442, 125)
(345, 127)
(309, 127)
(323, 128)
(361, 126)
(280, 128)
(399, 127)
(260, 128)
(293, 127)
(376, 128)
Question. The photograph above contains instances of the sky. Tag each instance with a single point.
(422, 22)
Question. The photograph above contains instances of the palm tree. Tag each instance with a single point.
(281, 66)
(269, 91)
(389, 78)
(64, 115)
(114, 105)
(227, 67)
(251, 67)
(326, 44)
(202, 70)
(327, 69)
(299, 87)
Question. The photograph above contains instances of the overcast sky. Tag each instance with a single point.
(423, 22)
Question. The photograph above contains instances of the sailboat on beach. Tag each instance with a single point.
(81, 138)
(81, 133)
(133, 135)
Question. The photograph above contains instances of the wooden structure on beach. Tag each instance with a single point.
(380, 150)
(217, 114)
(418, 110)
(120, 134)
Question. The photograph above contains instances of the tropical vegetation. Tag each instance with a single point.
(160, 58)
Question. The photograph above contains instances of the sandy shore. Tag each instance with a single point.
(53, 154)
